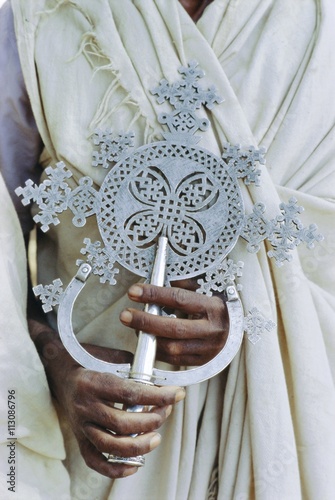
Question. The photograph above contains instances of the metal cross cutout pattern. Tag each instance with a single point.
(171, 186)
(167, 210)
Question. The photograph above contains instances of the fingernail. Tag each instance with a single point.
(126, 316)
(135, 291)
(155, 441)
(180, 394)
(129, 471)
(168, 411)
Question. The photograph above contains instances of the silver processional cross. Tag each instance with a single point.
(166, 211)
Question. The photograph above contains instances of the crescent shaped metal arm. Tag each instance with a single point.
(159, 377)
(221, 360)
(68, 337)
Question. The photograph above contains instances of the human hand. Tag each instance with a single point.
(87, 399)
(190, 341)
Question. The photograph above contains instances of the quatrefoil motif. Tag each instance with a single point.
(170, 210)
(170, 188)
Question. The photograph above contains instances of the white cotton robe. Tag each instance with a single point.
(263, 429)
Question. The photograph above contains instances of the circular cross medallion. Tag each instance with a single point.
(183, 192)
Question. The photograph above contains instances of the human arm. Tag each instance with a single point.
(71, 384)
(86, 398)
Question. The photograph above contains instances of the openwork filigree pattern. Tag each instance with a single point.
(170, 211)
(255, 324)
(186, 96)
(284, 232)
(100, 260)
(111, 147)
(177, 190)
(172, 188)
(51, 195)
(186, 93)
(223, 276)
(54, 195)
(50, 295)
(244, 162)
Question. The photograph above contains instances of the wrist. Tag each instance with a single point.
(55, 358)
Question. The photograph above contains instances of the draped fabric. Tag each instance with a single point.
(39, 447)
(264, 428)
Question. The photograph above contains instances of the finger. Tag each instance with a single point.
(124, 446)
(126, 422)
(187, 283)
(187, 352)
(96, 461)
(109, 355)
(164, 326)
(177, 298)
(113, 389)
(183, 359)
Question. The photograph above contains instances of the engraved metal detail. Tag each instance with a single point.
(244, 162)
(50, 295)
(255, 324)
(100, 260)
(173, 188)
(54, 196)
(185, 96)
(112, 147)
(51, 195)
(284, 232)
(221, 277)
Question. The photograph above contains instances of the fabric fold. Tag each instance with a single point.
(275, 404)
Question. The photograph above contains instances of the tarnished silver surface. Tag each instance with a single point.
(178, 194)
(183, 189)
(138, 461)
(66, 333)
(145, 354)
(179, 199)
(221, 360)
(140, 370)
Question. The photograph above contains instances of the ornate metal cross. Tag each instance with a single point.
(167, 210)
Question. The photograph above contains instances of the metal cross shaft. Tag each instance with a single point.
(145, 354)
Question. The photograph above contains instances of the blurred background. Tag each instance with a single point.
(32, 244)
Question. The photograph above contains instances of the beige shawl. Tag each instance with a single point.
(267, 426)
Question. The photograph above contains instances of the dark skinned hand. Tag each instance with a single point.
(88, 398)
(192, 340)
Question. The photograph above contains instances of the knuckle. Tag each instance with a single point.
(81, 385)
(150, 292)
(173, 349)
(136, 447)
(120, 424)
(141, 320)
(128, 393)
(172, 359)
(179, 330)
(103, 416)
(217, 304)
(180, 296)
(125, 446)
(101, 443)
(158, 420)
